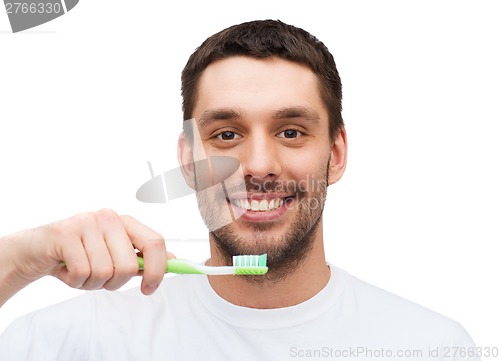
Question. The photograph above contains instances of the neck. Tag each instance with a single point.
(309, 277)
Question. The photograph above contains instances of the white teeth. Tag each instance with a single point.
(263, 205)
(259, 206)
(255, 205)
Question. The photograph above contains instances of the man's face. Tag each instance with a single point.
(269, 115)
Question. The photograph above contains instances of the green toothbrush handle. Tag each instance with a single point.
(181, 266)
(174, 265)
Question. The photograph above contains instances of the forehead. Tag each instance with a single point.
(257, 86)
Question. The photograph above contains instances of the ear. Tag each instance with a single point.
(338, 157)
(186, 159)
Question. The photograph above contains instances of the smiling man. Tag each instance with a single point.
(268, 94)
(268, 113)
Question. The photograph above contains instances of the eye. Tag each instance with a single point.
(228, 135)
(290, 133)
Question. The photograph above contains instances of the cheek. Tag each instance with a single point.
(307, 180)
(305, 165)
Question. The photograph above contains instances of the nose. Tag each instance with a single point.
(260, 158)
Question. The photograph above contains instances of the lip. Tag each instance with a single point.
(259, 196)
(260, 216)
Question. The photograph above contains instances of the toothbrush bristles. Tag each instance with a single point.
(250, 264)
(250, 260)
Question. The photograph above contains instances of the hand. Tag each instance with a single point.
(88, 251)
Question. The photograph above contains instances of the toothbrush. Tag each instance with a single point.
(242, 265)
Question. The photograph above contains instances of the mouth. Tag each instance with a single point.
(260, 207)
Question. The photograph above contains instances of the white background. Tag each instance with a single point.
(88, 99)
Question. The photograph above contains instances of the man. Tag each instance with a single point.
(268, 94)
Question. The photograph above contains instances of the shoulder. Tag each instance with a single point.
(378, 310)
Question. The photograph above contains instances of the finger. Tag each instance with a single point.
(76, 267)
(101, 265)
(152, 245)
(169, 255)
(120, 249)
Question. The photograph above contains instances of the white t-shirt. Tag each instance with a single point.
(186, 320)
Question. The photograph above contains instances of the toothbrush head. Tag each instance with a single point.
(250, 265)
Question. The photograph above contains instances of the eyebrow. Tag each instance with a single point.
(212, 115)
(297, 112)
(220, 114)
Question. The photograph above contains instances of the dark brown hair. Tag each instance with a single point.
(265, 39)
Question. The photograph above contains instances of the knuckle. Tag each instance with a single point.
(81, 272)
(157, 243)
(103, 274)
(127, 217)
(78, 275)
(131, 269)
(84, 218)
(106, 214)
